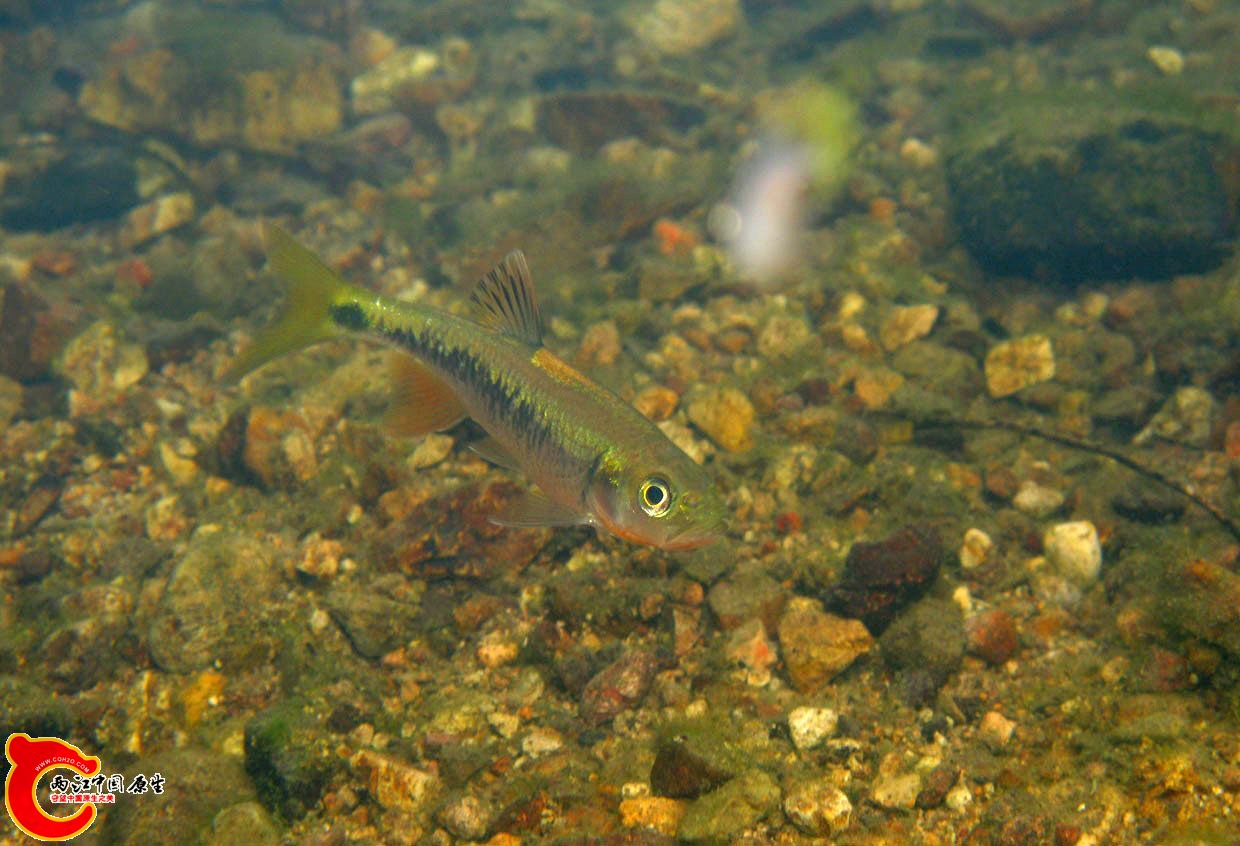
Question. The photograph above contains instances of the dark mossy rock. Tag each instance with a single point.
(927, 639)
(882, 577)
(291, 756)
(378, 617)
(1075, 185)
(87, 184)
(198, 785)
(26, 706)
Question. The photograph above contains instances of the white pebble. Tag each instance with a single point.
(1074, 551)
(976, 547)
(959, 797)
(1038, 500)
(811, 726)
(996, 730)
(1168, 60)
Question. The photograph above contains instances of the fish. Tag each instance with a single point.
(594, 459)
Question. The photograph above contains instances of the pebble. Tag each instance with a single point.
(468, 818)
(959, 797)
(656, 402)
(995, 730)
(816, 645)
(542, 740)
(918, 153)
(782, 336)
(154, 218)
(1038, 500)
(377, 89)
(810, 726)
(1013, 365)
(906, 324)
(896, 791)
(751, 648)
(600, 345)
(393, 783)
(730, 809)
(1168, 60)
(991, 635)
(657, 813)
(1074, 551)
(100, 366)
(618, 687)
(818, 808)
(882, 577)
(975, 549)
(433, 449)
(677, 27)
(725, 415)
(1187, 417)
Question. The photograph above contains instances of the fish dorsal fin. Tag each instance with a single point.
(421, 401)
(505, 300)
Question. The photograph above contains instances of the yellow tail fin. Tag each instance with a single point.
(313, 289)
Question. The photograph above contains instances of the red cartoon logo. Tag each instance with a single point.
(30, 758)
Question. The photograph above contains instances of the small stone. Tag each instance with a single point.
(725, 415)
(467, 818)
(433, 449)
(677, 27)
(395, 784)
(1188, 417)
(937, 784)
(600, 345)
(618, 687)
(906, 324)
(1038, 500)
(926, 639)
(959, 797)
(918, 153)
(782, 336)
(882, 577)
(995, 730)
(1074, 551)
(975, 548)
(496, 649)
(1013, 365)
(154, 218)
(657, 813)
(816, 645)
(1168, 60)
(656, 403)
(379, 88)
(751, 648)
(182, 470)
(100, 366)
(809, 727)
(542, 740)
(818, 808)
(680, 772)
(320, 557)
(896, 791)
(991, 635)
(732, 808)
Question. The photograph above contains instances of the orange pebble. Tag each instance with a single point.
(672, 238)
(883, 209)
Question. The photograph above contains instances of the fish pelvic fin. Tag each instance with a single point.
(315, 292)
(421, 401)
(505, 300)
(532, 510)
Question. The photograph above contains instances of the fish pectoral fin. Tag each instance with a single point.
(489, 449)
(533, 510)
(505, 300)
(421, 401)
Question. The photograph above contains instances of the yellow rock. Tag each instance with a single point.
(726, 416)
(1019, 363)
(653, 812)
(202, 693)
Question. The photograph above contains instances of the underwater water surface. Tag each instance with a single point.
(852, 457)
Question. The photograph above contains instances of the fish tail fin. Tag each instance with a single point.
(314, 291)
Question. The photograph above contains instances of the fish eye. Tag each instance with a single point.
(655, 496)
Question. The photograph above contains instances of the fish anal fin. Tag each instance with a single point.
(533, 510)
(421, 401)
(490, 450)
(505, 300)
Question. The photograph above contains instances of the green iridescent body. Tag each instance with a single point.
(594, 457)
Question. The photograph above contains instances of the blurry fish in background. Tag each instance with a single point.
(806, 136)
